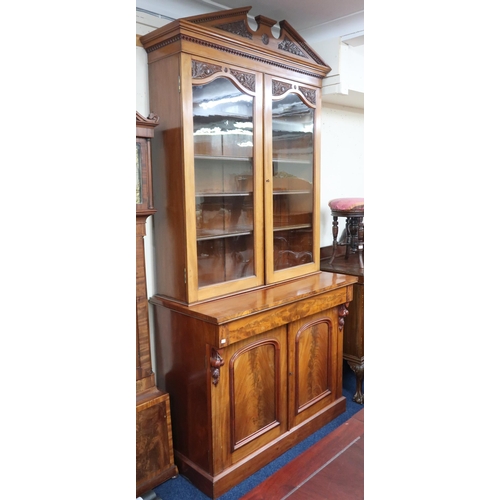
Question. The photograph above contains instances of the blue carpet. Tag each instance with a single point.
(180, 488)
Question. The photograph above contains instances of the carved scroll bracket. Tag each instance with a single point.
(216, 362)
(343, 312)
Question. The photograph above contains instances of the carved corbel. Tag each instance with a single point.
(216, 362)
(343, 312)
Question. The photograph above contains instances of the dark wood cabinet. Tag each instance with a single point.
(251, 375)
(154, 450)
(248, 330)
(354, 329)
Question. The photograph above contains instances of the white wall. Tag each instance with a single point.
(342, 161)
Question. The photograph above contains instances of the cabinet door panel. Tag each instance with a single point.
(254, 389)
(315, 356)
(255, 370)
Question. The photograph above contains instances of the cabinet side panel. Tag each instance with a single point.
(354, 324)
(169, 229)
(181, 371)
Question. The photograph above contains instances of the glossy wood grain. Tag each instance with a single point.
(154, 447)
(236, 405)
(236, 348)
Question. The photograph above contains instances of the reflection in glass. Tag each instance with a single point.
(293, 127)
(224, 181)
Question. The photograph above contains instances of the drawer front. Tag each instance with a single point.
(251, 325)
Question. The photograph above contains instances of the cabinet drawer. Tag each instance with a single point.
(251, 325)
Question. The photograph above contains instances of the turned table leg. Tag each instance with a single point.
(358, 370)
(335, 232)
(361, 243)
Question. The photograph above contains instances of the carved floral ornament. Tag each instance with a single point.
(240, 28)
(279, 88)
(216, 362)
(203, 70)
(343, 312)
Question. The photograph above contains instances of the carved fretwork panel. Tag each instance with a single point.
(203, 70)
(279, 88)
(254, 377)
(237, 28)
(309, 94)
(291, 47)
(247, 80)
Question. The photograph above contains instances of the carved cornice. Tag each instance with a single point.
(239, 53)
(217, 15)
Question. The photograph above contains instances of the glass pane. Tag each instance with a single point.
(138, 174)
(293, 126)
(224, 181)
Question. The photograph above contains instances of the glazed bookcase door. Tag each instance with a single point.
(291, 179)
(224, 175)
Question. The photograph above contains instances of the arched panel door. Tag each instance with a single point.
(315, 350)
(254, 379)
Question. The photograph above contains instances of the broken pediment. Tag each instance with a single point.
(229, 31)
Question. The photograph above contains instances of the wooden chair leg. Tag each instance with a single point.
(335, 232)
(361, 243)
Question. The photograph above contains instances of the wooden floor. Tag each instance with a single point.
(333, 468)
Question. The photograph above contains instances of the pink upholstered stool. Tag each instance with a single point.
(353, 209)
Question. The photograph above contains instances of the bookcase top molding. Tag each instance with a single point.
(229, 31)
